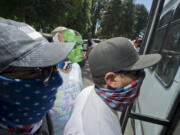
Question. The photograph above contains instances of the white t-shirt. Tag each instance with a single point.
(91, 116)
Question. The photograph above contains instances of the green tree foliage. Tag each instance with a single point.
(48, 14)
(115, 17)
(77, 15)
(110, 25)
(96, 11)
(127, 18)
(140, 18)
(122, 18)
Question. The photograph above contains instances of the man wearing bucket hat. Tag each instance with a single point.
(117, 72)
(28, 78)
(63, 34)
(58, 34)
(71, 74)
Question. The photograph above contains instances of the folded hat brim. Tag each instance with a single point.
(45, 55)
(58, 29)
(145, 61)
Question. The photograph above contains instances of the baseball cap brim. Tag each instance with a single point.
(44, 55)
(145, 61)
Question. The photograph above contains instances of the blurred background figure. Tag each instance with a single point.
(137, 44)
(58, 34)
(89, 47)
(63, 34)
(91, 43)
(72, 78)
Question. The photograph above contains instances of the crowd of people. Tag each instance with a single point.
(40, 93)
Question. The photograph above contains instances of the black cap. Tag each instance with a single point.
(118, 54)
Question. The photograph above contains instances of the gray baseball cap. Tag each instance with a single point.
(118, 54)
(22, 46)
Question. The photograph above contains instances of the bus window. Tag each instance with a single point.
(165, 19)
(159, 36)
(177, 13)
(167, 68)
(160, 32)
(162, 27)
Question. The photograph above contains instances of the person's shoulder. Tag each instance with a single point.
(81, 100)
(85, 92)
(82, 97)
(75, 126)
(88, 87)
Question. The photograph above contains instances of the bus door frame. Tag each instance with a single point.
(174, 115)
(170, 124)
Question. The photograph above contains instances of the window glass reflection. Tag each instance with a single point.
(167, 68)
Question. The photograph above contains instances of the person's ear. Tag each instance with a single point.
(111, 80)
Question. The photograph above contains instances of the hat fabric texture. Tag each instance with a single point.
(22, 46)
(118, 54)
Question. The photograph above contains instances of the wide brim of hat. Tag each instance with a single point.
(145, 61)
(45, 55)
(58, 29)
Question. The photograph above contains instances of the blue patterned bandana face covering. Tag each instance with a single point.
(26, 101)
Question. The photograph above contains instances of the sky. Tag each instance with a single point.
(147, 3)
